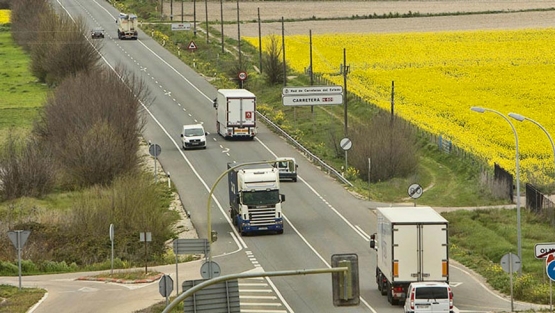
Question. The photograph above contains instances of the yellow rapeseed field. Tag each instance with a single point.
(4, 16)
(440, 76)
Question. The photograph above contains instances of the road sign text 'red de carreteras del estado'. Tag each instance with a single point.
(312, 95)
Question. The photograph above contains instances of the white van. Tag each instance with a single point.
(287, 168)
(193, 136)
(429, 297)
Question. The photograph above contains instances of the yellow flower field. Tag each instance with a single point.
(440, 76)
(4, 16)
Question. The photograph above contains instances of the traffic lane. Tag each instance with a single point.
(305, 293)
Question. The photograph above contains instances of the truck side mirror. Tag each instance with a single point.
(282, 197)
(237, 199)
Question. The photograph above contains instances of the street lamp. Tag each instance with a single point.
(521, 118)
(519, 244)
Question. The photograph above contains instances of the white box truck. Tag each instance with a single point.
(235, 113)
(412, 245)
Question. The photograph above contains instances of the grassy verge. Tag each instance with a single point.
(449, 182)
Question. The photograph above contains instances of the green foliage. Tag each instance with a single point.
(480, 238)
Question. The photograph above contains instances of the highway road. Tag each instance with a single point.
(322, 217)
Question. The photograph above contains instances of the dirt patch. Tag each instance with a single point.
(271, 13)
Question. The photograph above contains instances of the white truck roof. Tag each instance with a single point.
(411, 215)
(236, 93)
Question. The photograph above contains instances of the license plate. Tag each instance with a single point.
(263, 228)
(241, 131)
(422, 306)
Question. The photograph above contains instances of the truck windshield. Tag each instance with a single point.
(265, 197)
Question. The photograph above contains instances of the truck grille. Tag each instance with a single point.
(262, 216)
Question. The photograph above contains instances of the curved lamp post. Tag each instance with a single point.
(518, 234)
(521, 118)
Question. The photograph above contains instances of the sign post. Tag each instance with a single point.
(18, 238)
(346, 144)
(112, 241)
(550, 270)
(510, 263)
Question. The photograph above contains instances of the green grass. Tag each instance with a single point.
(22, 96)
(18, 301)
(479, 238)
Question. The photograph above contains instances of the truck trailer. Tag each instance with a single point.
(235, 113)
(254, 199)
(127, 26)
(412, 245)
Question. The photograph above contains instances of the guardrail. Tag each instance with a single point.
(311, 157)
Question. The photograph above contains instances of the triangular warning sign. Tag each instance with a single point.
(192, 46)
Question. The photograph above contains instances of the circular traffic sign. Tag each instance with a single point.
(345, 143)
(510, 263)
(242, 75)
(210, 269)
(415, 191)
(154, 150)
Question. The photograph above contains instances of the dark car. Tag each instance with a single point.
(97, 32)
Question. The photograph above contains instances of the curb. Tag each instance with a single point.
(122, 281)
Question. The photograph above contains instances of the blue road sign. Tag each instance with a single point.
(550, 267)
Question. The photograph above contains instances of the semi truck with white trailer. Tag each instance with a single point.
(412, 245)
(255, 199)
(128, 26)
(236, 113)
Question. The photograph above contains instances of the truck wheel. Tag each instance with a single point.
(389, 294)
(280, 231)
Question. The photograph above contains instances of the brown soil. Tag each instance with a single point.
(296, 10)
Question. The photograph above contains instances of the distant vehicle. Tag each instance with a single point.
(193, 136)
(235, 113)
(412, 245)
(97, 32)
(287, 168)
(429, 297)
(127, 26)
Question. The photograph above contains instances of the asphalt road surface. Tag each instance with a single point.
(321, 217)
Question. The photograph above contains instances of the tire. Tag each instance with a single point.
(383, 290)
(389, 294)
(280, 231)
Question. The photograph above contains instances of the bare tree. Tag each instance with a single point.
(63, 50)
(390, 144)
(25, 20)
(26, 168)
(92, 121)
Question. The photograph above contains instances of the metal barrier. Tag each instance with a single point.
(311, 157)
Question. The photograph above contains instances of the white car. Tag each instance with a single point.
(193, 136)
(429, 297)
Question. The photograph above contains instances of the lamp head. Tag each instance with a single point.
(478, 109)
(517, 117)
